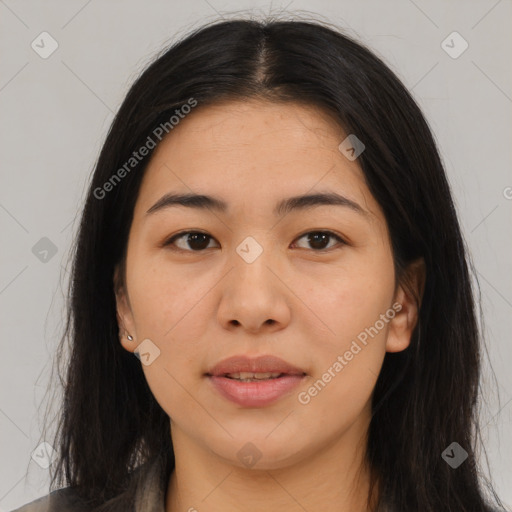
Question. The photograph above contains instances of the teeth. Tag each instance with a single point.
(249, 376)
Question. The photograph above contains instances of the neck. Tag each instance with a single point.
(334, 479)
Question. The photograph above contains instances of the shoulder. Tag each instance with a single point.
(146, 491)
(61, 500)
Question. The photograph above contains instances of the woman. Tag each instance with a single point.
(269, 230)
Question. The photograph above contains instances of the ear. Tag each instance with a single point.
(124, 312)
(408, 294)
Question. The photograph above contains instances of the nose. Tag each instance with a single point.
(254, 297)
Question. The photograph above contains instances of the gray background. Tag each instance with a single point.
(55, 113)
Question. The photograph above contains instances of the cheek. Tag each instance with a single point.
(171, 307)
(352, 299)
(349, 353)
(349, 356)
(163, 297)
(165, 305)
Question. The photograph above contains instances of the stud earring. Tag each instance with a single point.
(130, 337)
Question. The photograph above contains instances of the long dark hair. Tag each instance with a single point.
(425, 397)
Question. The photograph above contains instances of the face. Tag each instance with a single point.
(311, 283)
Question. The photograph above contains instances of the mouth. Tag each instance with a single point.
(260, 367)
(254, 382)
(253, 377)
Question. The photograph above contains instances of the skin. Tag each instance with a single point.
(199, 307)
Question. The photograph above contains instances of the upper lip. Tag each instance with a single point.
(260, 364)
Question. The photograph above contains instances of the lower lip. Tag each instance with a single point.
(255, 394)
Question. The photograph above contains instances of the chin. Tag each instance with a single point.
(255, 450)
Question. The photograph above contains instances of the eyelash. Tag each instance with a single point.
(170, 241)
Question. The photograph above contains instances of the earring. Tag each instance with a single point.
(130, 337)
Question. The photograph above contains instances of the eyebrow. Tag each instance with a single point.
(295, 203)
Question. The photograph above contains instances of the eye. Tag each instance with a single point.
(318, 239)
(196, 240)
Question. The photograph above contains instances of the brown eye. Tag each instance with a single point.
(193, 241)
(319, 239)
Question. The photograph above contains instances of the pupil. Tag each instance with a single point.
(323, 236)
(193, 239)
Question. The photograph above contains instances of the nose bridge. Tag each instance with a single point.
(252, 295)
(252, 258)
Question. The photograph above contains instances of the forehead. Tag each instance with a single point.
(266, 129)
(248, 151)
